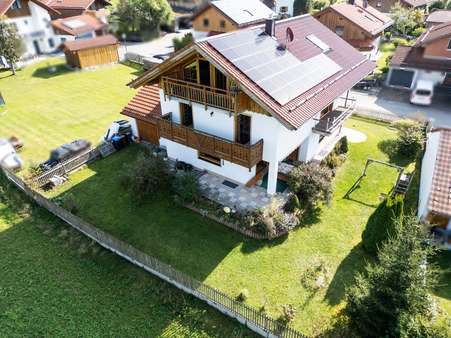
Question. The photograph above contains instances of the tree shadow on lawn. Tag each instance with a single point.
(158, 226)
(51, 71)
(354, 263)
(390, 148)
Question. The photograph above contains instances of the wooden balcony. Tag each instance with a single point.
(194, 92)
(328, 123)
(244, 155)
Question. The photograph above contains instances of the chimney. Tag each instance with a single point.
(270, 26)
(365, 3)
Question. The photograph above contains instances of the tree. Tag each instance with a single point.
(11, 47)
(180, 43)
(300, 7)
(142, 16)
(403, 19)
(391, 298)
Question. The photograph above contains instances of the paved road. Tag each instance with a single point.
(393, 104)
(161, 45)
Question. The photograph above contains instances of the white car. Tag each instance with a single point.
(8, 156)
(422, 93)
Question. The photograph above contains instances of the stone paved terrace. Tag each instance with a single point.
(236, 196)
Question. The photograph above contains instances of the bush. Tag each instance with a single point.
(381, 223)
(400, 42)
(342, 146)
(411, 137)
(288, 313)
(146, 176)
(388, 35)
(418, 31)
(180, 43)
(186, 187)
(243, 295)
(312, 183)
(293, 204)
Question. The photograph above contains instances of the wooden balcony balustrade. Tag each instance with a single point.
(194, 92)
(244, 155)
(328, 123)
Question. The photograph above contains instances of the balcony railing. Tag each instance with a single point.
(244, 155)
(328, 123)
(194, 92)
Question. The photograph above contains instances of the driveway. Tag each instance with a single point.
(161, 45)
(392, 104)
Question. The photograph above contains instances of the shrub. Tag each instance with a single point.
(293, 204)
(333, 160)
(411, 137)
(180, 43)
(418, 31)
(316, 276)
(388, 35)
(146, 176)
(342, 146)
(243, 295)
(381, 223)
(311, 182)
(186, 187)
(288, 313)
(400, 42)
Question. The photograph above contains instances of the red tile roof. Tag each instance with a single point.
(101, 41)
(90, 24)
(4, 5)
(440, 196)
(145, 104)
(439, 16)
(367, 18)
(412, 57)
(354, 67)
(434, 33)
(71, 4)
(418, 3)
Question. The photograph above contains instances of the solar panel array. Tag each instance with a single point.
(277, 71)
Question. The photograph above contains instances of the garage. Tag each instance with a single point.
(401, 78)
(148, 132)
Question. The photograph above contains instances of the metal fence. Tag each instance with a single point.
(249, 316)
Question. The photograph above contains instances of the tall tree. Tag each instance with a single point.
(300, 7)
(136, 16)
(403, 18)
(11, 46)
(391, 299)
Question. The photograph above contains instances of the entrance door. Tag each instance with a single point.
(244, 129)
(36, 47)
(148, 132)
(204, 72)
(186, 114)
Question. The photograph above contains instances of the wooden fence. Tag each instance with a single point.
(248, 316)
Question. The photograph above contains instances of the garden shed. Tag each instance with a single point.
(91, 52)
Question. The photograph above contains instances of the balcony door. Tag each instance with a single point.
(244, 129)
(204, 72)
(186, 115)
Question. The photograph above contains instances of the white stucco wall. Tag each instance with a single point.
(427, 171)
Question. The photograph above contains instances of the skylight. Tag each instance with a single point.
(318, 43)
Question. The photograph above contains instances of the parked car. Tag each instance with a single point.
(65, 152)
(422, 93)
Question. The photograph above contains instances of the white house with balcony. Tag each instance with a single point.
(242, 104)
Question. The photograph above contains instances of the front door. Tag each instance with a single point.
(244, 129)
(204, 72)
(36, 47)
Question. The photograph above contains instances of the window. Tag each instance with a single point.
(379, 4)
(51, 43)
(210, 159)
(283, 9)
(222, 23)
(449, 44)
(206, 22)
(339, 30)
(16, 5)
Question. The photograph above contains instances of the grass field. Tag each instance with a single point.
(48, 109)
(55, 283)
(271, 271)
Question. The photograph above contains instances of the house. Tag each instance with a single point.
(32, 19)
(435, 184)
(83, 26)
(358, 23)
(429, 59)
(84, 53)
(438, 17)
(385, 6)
(222, 16)
(281, 7)
(239, 104)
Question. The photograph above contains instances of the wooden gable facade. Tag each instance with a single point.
(212, 20)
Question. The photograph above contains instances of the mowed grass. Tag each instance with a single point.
(271, 271)
(47, 109)
(55, 283)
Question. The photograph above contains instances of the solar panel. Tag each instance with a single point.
(278, 72)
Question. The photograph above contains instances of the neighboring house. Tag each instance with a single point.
(385, 6)
(32, 19)
(282, 7)
(435, 184)
(222, 16)
(429, 59)
(358, 23)
(438, 17)
(84, 53)
(83, 26)
(241, 103)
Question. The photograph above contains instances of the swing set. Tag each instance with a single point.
(402, 182)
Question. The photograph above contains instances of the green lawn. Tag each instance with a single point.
(55, 283)
(48, 109)
(271, 271)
